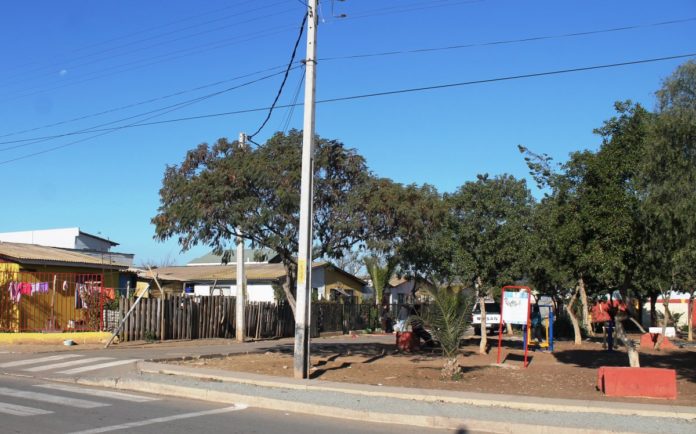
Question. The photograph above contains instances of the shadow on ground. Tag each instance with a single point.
(684, 362)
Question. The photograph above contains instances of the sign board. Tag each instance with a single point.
(515, 305)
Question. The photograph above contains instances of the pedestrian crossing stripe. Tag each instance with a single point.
(39, 360)
(96, 392)
(52, 399)
(98, 366)
(66, 364)
(20, 410)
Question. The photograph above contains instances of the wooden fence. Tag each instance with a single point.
(179, 317)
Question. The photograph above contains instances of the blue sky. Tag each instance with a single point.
(68, 59)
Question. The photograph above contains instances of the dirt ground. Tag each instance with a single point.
(568, 372)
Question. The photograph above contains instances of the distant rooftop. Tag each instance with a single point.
(252, 256)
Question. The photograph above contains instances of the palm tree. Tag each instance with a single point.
(380, 272)
(449, 316)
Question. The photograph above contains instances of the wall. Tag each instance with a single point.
(86, 242)
(50, 237)
(336, 279)
(255, 291)
(679, 304)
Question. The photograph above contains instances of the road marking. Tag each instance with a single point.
(39, 360)
(97, 392)
(66, 364)
(97, 366)
(165, 419)
(20, 410)
(53, 399)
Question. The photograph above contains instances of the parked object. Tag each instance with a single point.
(493, 317)
(637, 382)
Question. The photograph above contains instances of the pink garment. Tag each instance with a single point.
(25, 288)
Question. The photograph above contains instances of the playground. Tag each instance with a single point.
(569, 372)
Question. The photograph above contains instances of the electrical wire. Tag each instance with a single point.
(368, 55)
(285, 78)
(512, 41)
(372, 95)
(65, 63)
(97, 127)
(291, 110)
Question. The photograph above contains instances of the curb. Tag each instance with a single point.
(53, 338)
(333, 412)
(426, 395)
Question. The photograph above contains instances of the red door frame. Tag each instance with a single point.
(500, 327)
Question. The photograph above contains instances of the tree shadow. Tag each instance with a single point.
(319, 372)
(683, 362)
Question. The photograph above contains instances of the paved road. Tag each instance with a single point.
(38, 407)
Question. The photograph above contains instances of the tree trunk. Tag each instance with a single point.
(287, 287)
(653, 311)
(573, 319)
(666, 319)
(633, 356)
(585, 308)
(508, 328)
(690, 318)
(484, 335)
(451, 371)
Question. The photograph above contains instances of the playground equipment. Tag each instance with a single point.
(515, 309)
(547, 322)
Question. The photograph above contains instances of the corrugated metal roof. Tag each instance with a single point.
(220, 272)
(20, 252)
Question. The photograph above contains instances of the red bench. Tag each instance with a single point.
(637, 382)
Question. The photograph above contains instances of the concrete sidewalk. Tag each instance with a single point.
(416, 407)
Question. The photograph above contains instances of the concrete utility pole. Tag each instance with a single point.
(240, 303)
(304, 256)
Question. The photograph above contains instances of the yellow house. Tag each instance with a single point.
(53, 289)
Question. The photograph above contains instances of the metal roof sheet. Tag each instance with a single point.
(20, 252)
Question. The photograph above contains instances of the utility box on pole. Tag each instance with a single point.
(304, 256)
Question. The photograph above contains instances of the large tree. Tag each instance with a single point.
(490, 221)
(221, 192)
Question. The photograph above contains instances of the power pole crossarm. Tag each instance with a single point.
(304, 262)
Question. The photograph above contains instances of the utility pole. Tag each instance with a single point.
(240, 303)
(304, 256)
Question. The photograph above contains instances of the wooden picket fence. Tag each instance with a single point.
(202, 318)
(179, 318)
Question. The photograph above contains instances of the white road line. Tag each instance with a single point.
(97, 366)
(20, 410)
(53, 399)
(66, 364)
(165, 419)
(97, 392)
(39, 360)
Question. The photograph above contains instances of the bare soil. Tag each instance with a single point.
(568, 372)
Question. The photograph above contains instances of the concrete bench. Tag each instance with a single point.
(637, 382)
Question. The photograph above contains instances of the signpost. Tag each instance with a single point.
(515, 309)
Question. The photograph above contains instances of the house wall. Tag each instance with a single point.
(336, 279)
(50, 237)
(679, 304)
(85, 242)
(33, 312)
(256, 292)
(403, 289)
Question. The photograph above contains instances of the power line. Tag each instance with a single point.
(285, 78)
(139, 103)
(372, 95)
(141, 63)
(512, 41)
(139, 41)
(291, 110)
(368, 55)
(96, 128)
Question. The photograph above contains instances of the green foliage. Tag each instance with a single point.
(380, 272)
(222, 191)
(449, 316)
(489, 222)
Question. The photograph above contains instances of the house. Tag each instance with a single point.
(72, 239)
(400, 289)
(678, 307)
(264, 281)
(50, 288)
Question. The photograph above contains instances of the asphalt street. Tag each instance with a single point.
(34, 406)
